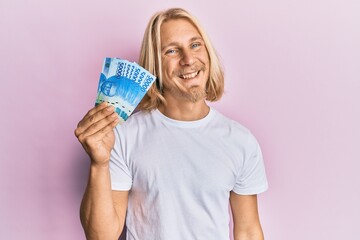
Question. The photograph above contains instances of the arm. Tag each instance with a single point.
(246, 218)
(102, 210)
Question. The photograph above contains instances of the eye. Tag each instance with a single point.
(195, 45)
(171, 52)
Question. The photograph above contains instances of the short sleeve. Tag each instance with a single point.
(251, 178)
(121, 178)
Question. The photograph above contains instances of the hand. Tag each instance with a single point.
(95, 133)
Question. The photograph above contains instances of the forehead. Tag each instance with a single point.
(178, 30)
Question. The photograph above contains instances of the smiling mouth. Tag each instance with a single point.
(189, 75)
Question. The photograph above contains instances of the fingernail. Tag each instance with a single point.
(110, 108)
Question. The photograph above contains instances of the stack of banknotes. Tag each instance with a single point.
(123, 84)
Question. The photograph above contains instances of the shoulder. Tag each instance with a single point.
(220, 120)
(235, 130)
(139, 116)
(136, 121)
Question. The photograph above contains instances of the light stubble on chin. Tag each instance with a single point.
(193, 94)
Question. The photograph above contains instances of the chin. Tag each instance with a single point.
(196, 93)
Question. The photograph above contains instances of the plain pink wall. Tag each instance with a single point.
(292, 77)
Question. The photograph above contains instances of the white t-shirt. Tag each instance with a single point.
(180, 174)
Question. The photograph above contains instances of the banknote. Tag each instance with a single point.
(123, 84)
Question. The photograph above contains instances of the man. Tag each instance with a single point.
(172, 168)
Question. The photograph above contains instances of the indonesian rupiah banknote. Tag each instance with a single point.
(123, 84)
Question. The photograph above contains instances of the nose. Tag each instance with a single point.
(187, 58)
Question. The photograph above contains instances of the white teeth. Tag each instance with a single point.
(190, 75)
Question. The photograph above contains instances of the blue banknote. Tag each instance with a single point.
(123, 84)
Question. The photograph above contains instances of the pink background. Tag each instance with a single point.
(292, 77)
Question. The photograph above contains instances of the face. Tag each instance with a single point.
(108, 89)
(185, 61)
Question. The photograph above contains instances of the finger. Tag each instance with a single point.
(100, 113)
(94, 116)
(87, 139)
(95, 109)
(92, 111)
(97, 126)
(106, 130)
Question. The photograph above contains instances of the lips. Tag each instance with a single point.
(189, 75)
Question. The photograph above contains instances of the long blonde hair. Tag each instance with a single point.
(150, 59)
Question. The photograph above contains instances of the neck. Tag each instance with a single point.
(184, 111)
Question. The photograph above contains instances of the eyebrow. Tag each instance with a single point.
(176, 43)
